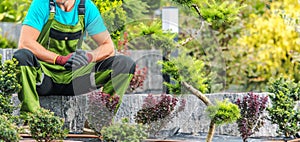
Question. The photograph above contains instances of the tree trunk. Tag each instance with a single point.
(197, 93)
(211, 131)
(207, 102)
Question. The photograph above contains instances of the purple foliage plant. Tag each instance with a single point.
(138, 78)
(253, 115)
(102, 108)
(156, 112)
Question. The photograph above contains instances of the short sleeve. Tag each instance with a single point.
(37, 14)
(93, 19)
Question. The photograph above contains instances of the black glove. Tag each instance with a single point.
(78, 59)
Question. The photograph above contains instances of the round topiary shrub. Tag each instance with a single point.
(45, 126)
(9, 132)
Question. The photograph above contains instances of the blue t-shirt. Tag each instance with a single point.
(38, 15)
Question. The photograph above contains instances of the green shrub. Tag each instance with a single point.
(9, 132)
(6, 43)
(113, 14)
(189, 69)
(283, 112)
(13, 10)
(184, 2)
(44, 126)
(223, 112)
(135, 10)
(149, 35)
(124, 132)
(8, 78)
(264, 49)
(220, 13)
(6, 106)
(152, 5)
(8, 85)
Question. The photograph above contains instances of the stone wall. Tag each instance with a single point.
(192, 120)
(72, 109)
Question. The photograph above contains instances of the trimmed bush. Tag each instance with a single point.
(124, 132)
(9, 132)
(44, 126)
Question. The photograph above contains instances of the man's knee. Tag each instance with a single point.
(25, 58)
(124, 64)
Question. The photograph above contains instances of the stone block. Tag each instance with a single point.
(71, 108)
(7, 54)
(130, 106)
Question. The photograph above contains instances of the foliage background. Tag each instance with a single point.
(265, 46)
(249, 47)
(242, 43)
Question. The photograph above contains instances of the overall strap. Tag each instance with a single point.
(52, 9)
(81, 12)
(81, 7)
(52, 6)
(48, 23)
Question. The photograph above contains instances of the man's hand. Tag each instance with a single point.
(62, 60)
(78, 59)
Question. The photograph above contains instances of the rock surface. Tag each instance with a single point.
(192, 120)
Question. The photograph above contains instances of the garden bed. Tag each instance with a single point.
(70, 138)
(182, 137)
(192, 120)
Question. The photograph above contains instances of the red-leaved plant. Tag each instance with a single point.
(252, 117)
(122, 45)
(156, 112)
(138, 79)
(102, 108)
(140, 74)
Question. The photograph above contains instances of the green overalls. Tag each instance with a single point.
(41, 78)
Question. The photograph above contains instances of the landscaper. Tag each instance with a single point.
(52, 61)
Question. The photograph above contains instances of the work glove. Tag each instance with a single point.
(78, 59)
(62, 60)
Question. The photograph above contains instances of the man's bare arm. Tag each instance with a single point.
(28, 41)
(105, 46)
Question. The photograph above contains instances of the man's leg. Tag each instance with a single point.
(30, 73)
(114, 74)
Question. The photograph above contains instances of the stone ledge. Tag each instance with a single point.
(72, 109)
(192, 120)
